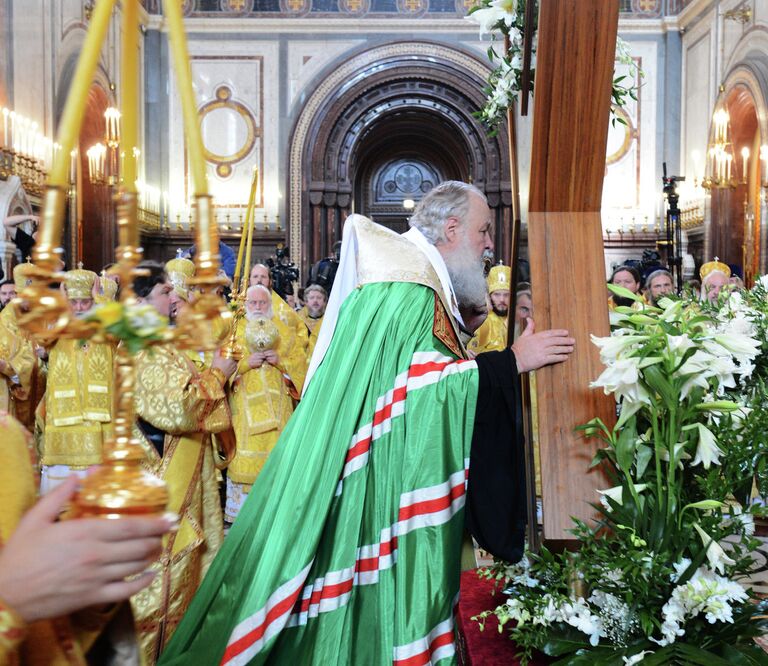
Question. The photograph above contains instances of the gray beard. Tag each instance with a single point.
(467, 278)
(252, 316)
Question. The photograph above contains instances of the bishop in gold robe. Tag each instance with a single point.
(22, 369)
(492, 334)
(315, 301)
(280, 309)
(178, 408)
(77, 410)
(269, 379)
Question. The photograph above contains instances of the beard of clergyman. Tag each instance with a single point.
(465, 269)
(253, 316)
(621, 300)
(501, 311)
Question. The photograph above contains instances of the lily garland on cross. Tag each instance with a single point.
(506, 18)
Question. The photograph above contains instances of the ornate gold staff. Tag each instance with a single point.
(206, 324)
(240, 283)
(119, 487)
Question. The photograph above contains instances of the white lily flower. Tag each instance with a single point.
(715, 553)
(679, 344)
(488, 17)
(707, 451)
(636, 658)
(738, 344)
(616, 495)
(622, 378)
(612, 346)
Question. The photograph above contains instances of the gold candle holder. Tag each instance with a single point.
(120, 486)
(207, 322)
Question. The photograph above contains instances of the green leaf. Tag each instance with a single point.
(697, 655)
(625, 446)
(624, 292)
(745, 655)
(659, 383)
(704, 504)
(643, 456)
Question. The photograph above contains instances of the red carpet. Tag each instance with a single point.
(489, 647)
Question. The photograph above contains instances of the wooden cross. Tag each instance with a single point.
(574, 74)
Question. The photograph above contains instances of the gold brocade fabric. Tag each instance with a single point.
(172, 394)
(261, 402)
(491, 336)
(313, 326)
(78, 403)
(385, 256)
(60, 641)
(20, 397)
(288, 316)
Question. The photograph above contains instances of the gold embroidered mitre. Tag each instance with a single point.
(715, 266)
(499, 278)
(179, 271)
(79, 282)
(21, 276)
(108, 288)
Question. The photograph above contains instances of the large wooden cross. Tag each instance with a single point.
(574, 73)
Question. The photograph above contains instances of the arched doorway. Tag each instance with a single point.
(382, 128)
(92, 232)
(735, 226)
(88, 232)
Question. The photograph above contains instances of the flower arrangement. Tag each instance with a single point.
(659, 577)
(136, 325)
(505, 18)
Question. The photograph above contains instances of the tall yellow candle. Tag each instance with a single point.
(72, 117)
(178, 40)
(249, 243)
(129, 83)
(248, 217)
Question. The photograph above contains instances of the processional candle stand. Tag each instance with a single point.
(121, 487)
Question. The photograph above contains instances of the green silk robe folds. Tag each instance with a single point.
(348, 548)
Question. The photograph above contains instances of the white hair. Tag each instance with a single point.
(251, 292)
(448, 199)
(317, 288)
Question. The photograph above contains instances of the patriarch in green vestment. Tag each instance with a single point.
(347, 550)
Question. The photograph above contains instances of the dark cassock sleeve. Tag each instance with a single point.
(496, 496)
(24, 242)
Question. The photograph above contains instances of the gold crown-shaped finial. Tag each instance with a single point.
(179, 271)
(499, 278)
(108, 288)
(79, 282)
(714, 266)
(21, 276)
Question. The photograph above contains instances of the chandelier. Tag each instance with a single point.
(103, 167)
(721, 166)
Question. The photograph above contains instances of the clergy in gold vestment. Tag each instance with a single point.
(315, 301)
(178, 408)
(280, 309)
(492, 334)
(270, 377)
(77, 409)
(23, 374)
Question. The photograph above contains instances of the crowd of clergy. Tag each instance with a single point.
(208, 423)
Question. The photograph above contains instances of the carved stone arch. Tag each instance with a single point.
(737, 229)
(405, 98)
